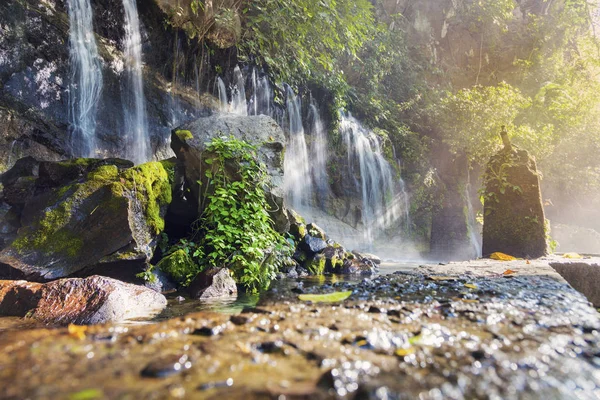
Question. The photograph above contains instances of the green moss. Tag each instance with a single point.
(50, 234)
(151, 186)
(184, 135)
(317, 265)
(104, 173)
(179, 266)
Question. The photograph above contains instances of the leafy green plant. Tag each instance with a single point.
(235, 227)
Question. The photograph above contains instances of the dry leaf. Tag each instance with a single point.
(501, 257)
(471, 286)
(442, 278)
(572, 255)
(509, 272)
(77, 331)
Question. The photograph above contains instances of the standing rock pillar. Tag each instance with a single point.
(513, 221)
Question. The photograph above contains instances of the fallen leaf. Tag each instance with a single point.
(404, 352)
(469, 300)
(442, 278)
(471, 286)
(509, 272)
(87, 394)
(325, 298)
(501, 257)
(77, 331)
(572, 255)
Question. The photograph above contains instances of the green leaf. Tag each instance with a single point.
(325, 298)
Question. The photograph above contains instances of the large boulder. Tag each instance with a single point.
(513, 221)
(190, 142)
(103, 222)
(93, 300)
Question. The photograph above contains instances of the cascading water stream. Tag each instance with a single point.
(380, 207)
(297, 179)
(239, 105)
(222, 91)
(136, 124)
(318, 153)
(86, 78)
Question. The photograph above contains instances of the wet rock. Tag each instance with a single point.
(271, 347)
(239, 319)
(514, 221)
(312, 245)
(93, 300)
(166, 366)
(208, 331)
(213, 283)
(103, 223)
(356, 266)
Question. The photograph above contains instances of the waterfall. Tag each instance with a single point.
(239, 105)
(222, 91)
(297, 180)
(136, 124)
(380, 206)
(318, 153)
(86, 78)
(260, 103)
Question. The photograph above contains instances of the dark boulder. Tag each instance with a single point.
(312, 245)
(513, 221)
(213, 283)
(93, 300)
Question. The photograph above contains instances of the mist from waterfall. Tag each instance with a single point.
(136, 124)
(86, 78)
(472, 225)
(380, 205)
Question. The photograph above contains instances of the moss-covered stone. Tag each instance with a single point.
(513, 212)
(184, 135)
(179, 266)
(317, 265)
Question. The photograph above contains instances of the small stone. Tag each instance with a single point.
(239, 319)
(166, 366)
(206, 331)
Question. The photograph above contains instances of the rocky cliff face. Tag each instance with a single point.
(35, 77)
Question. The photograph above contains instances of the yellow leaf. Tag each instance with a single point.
(471, 286)
(501, 257)
(572, 255)
(77, 331)
(442, 278)
(509, 272)
(404, 352)
(325, 298)
(469, 300)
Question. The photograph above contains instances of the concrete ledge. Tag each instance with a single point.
(583, 275)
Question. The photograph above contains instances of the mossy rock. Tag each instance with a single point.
(514, 221)
(72, 227)
(317, 264)
(179, 266)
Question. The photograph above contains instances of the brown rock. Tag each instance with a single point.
(93, 300)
